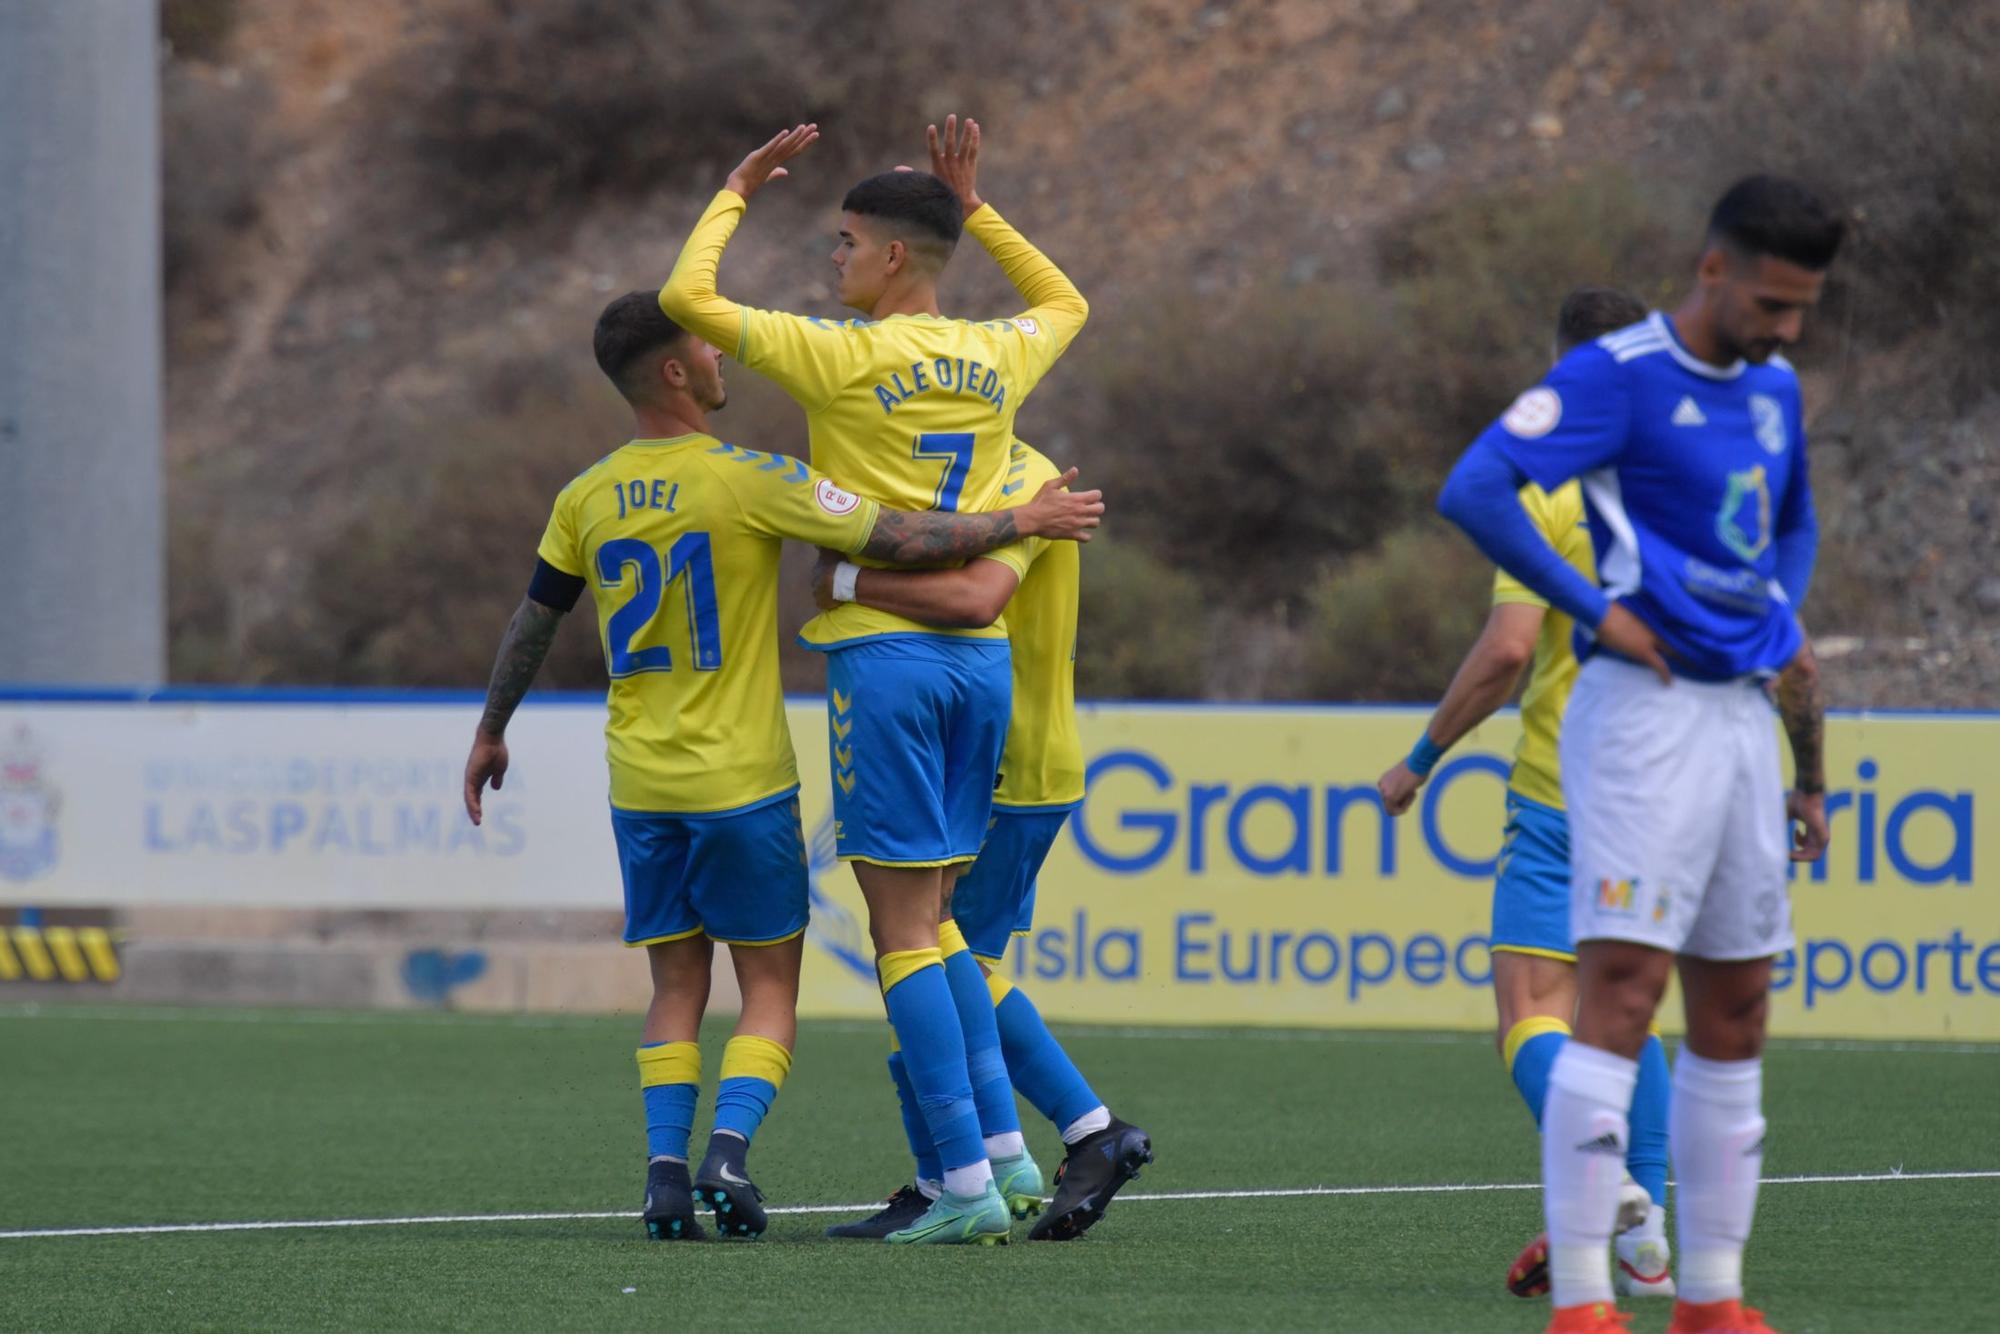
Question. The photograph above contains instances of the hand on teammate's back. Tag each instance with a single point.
(822, 579)
(1632, 639)
(955, 159)
(1066, 516)
(767, 163)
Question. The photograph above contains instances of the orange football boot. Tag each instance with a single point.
(1530, 1275)
(1727, 1317)
(1589, 1318)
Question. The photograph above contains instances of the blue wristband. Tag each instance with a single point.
(1424, 756)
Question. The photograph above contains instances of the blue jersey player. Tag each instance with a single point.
(1686, 433)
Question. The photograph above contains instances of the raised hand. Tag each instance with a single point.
(1065, 516)
(955, 159)
(767, 163)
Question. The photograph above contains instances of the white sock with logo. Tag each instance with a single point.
(1584, 1136)
(1715, 1125)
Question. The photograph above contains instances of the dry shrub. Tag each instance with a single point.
(1393, 624)
(1142, 632)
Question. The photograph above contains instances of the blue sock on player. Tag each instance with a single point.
(1036, 1062)
(922, 1148)
(918, 998)
(992, 1091)
(1646, 1139)
(753, 1069)
(1530, 1049)
(670, 1082)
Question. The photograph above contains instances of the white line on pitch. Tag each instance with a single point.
(1295, 1192)
(1358, 1037)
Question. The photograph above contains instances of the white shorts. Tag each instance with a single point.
(1677, 825)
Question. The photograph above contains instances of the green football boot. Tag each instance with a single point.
(959, 1220)
(1020, 1183)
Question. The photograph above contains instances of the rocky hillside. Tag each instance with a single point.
(1322, 243)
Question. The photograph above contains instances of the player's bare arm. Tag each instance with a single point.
(970, 597)
(1484, 681)
(522, 650)
(934, 537)
(1802, 706)
(767, 163)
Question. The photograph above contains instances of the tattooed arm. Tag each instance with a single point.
(1803, 708)
(526, 643)
(936, 537)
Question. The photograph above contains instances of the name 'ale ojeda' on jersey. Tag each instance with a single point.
(914, 411)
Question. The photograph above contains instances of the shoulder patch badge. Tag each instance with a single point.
(1534, 414)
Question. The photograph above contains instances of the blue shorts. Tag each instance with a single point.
(1531, 892)
(915, 731)
(995, 899)
(738, 876)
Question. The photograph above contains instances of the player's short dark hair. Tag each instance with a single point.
(920, 209)
(1589, 313)
(1775, 216)
(631, 330)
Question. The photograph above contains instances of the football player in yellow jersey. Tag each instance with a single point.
(1040, 783)
(910, 408)
(1534, 960)
(677, 535)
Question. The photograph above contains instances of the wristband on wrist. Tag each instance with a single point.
(1424, 756)
(844, 575)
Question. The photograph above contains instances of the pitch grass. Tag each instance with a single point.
(166, 1117)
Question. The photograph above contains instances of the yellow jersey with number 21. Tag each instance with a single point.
(678, 540)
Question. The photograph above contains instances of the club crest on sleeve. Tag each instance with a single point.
(834, 500)
(1534, 414)
(1027, 326)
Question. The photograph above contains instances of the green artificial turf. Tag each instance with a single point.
(154, 1116)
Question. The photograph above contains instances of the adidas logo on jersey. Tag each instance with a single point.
(1688, 413)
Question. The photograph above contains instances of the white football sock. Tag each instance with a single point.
(1584, 1136)
(1008, 1144)
(930, 1187)
(1096, 1119)
(1715, 1124)
(969, 1182)
(1653, 1229)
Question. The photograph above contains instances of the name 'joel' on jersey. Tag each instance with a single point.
(679, 541)
(1042, 765)
(1691, 473)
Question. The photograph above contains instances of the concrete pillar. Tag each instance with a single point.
(82, 549)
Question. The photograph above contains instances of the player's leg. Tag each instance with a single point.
(1535, 997)
(1717, 1119)
(909, 1201)
(1644, 814)
(652, 854)
(994, 901)
(1644, 1260)
(747, 878)
(903, 904)
(888, 701)
(1015, 1171)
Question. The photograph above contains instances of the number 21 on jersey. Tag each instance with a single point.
(688, 560)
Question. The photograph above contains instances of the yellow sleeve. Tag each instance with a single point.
(781, 497)
(1542, 513)
(809, 359)
(559, 545)
(1056, 309)
(689, 299)
(1018, 556)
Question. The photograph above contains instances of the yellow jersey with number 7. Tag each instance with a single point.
(914, 411)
